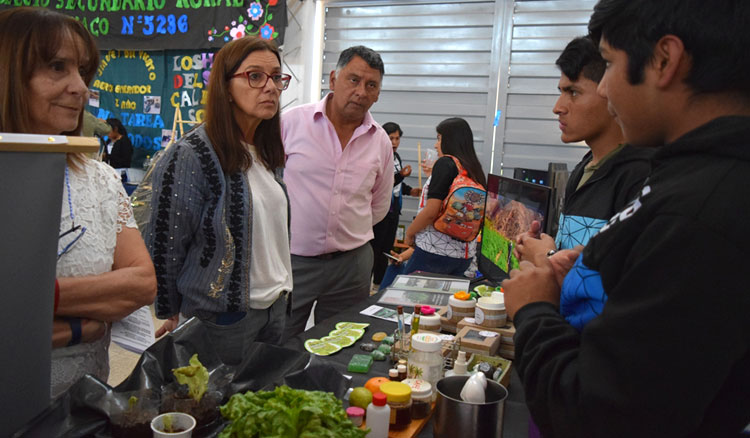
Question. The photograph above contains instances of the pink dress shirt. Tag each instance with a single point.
(336, 195)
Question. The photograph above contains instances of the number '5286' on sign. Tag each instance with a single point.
(150, 24)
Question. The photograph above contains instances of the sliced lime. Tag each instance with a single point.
(352, 325)
(320, 348)
(341, 341)
(483, 290)
(352, 333)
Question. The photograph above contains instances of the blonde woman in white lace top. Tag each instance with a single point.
(104, 271)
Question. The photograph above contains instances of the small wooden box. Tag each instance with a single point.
(506, 333)
(495, 361)
(479, 341)
(507, 352)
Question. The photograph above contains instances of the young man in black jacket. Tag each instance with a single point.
(608, 176)
(669, 355)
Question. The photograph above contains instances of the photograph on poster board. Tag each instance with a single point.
(151, 104)
(430, 284)
(402, 297)
(385, 313)
(94, 98)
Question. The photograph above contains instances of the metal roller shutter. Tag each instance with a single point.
(540, 31)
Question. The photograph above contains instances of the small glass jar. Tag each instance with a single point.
(402, 373)
(398, 395)
(421, 398)
(425, 359)
(393, 375)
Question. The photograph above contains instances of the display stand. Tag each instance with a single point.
(178, 122)
(31, 189)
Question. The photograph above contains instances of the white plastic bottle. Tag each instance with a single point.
(460, 367)
(378, 416)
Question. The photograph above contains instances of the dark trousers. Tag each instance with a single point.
(231, 341)
(336, 284)
(422, 260)
(385, 235)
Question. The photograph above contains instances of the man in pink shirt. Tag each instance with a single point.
(339, 175)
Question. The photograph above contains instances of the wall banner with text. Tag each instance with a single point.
(144, 88)
(170, 24)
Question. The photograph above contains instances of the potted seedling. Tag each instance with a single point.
(173, 425)
(133, 420)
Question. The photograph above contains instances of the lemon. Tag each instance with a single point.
(360, 397)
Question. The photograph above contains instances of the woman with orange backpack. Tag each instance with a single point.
(451, 208)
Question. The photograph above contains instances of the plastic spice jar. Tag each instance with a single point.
(430, 321)
(425, 359)
(490, 312)
(421, 398)
(398, 395)
(356, 415)
(459, 308)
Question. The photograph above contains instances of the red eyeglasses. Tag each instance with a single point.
(259, 79)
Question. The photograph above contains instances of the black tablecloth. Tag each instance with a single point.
(515, 420)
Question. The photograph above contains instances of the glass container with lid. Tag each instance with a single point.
(426, 359)
(421, 398)
(398, 395)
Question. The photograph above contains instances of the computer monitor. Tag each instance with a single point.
(511, 206)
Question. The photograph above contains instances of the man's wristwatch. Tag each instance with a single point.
(551, 252)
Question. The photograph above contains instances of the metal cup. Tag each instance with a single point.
(455, 417)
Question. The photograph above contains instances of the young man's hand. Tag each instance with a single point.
(531, 282)
(528, 246)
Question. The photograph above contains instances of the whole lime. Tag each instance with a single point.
(360, 397)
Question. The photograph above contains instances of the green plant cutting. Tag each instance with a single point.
(195, 376)
(287, 413)
(167, 424)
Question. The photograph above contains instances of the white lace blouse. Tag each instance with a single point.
(100, 204)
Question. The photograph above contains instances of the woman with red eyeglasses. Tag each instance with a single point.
(219, 226)
(104, 271)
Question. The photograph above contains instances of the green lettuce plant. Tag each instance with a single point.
(195, 376)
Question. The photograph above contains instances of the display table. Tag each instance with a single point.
(516, 414)
(88, 407)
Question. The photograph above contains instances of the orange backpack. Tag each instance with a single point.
(463, 209)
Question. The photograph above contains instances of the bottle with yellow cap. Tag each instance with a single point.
(399, 399)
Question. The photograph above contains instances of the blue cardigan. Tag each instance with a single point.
(200, 231)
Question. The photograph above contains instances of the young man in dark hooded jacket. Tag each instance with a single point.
(669, 355)
(609, 175)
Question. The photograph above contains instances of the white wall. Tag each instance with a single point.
(302, 51)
